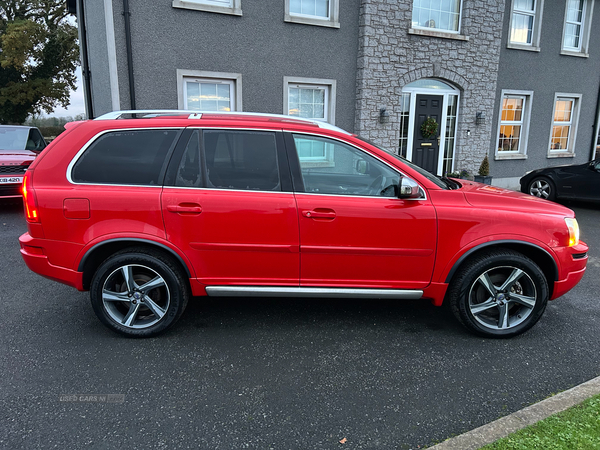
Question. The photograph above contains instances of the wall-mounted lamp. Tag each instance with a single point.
(480, 118)
(384, 116)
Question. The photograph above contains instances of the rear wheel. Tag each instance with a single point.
(499, 294)
(139, 293)
(542, 187)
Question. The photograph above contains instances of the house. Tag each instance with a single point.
(518, 80)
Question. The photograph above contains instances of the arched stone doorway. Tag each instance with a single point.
(429, 97)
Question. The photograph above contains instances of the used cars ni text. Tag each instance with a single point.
(147, 209)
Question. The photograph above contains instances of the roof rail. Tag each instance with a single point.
(149, 113)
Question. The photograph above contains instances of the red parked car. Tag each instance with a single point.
(19, 145)
(147, 209)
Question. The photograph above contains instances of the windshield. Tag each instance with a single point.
(13, 138)
(431, 177)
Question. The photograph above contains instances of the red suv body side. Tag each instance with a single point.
(290, 238)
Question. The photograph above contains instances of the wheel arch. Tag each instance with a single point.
(537, 254)
(99, 252)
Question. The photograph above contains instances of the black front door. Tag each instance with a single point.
(426, 150)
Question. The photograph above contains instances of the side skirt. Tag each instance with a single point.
(322, 292)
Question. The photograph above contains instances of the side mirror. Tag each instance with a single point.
(361, 166)
(409, 189)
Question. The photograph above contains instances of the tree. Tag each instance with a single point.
(38, 56)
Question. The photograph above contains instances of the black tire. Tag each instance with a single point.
(139, 308)
(542, 187)
(520, 293)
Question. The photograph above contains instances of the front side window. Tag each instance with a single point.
(128, 157)
(564, 122)
(209, 91)
(442, 15)
(513, 124)
(351, 172)
(242, 160)
(313, 12)
(525, 24)
(217, 6)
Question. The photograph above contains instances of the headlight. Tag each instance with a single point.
(573, 227)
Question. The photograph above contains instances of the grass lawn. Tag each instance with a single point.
(576, 428)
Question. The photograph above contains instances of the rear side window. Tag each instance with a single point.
(241, 160)
(133, 157)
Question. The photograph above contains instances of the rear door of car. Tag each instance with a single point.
(354, 231)
(228, 204)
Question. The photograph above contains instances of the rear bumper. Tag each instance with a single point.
(38, 263)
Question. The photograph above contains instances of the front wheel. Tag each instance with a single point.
(499, 294)
(542, 187)
(139, 293)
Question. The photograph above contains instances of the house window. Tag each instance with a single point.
(513, 125)
(313, 12)
(443, 15)
(576, 32)
(217, 6)
(525, 24)
(404, 123)
(564, 125)
(209, 91)
(310, 98)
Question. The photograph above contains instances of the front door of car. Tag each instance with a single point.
(231, 210)
(354, 230)
(585, 182)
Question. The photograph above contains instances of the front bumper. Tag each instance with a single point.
(573, 261)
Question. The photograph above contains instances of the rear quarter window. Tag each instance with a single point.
(131, 157)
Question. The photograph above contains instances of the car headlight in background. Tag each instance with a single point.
(573, 227)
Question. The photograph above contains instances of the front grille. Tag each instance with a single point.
(13, 170)
(8, 190)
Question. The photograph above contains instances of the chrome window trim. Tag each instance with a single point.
(322, 292)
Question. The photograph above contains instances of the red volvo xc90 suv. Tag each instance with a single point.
(147, 208)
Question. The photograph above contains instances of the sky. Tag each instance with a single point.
(77, 105)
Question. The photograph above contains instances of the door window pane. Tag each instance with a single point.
(241, 160)
(190, 170)
(351, 172)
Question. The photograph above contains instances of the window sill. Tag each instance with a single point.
(439, 34)
(528, 48)
(207, 8)
(561, 155)
(574, 53)
(311, 21)
(503, 157)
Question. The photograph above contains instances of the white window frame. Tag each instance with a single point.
(440, 30)
(332, 21)
(584, 37)
(524, 136)
(234, 79)
(573, 124)
(233, 7)
(534, 46)
(330, 94)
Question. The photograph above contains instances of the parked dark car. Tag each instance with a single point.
(574, 182)
(19, 145)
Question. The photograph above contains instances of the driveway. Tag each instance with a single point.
(273, 373)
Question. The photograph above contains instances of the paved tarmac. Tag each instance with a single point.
(274, 373)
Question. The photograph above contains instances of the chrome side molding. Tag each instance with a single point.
(324, 292)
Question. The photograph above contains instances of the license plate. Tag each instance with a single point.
(11, 180)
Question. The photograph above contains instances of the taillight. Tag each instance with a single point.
(31, 211)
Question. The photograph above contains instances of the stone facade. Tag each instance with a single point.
(391, 55)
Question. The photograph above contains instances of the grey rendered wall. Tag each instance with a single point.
(259, 45)
(390, 57)
(98, 57)
(546, 73)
